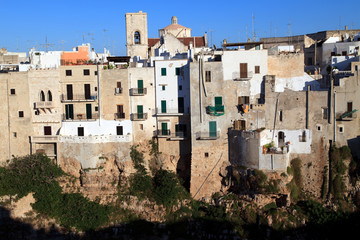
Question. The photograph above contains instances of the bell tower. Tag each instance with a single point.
(136, 34)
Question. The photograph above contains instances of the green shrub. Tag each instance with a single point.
(141, 185)
(27, 174)
(37, 174)
(137, 159)
(168, 189)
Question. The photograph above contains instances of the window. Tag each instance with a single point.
(96, 108)
(119, 130)
(177, 71)
(95, 72)
(344, 53)
(68, 72)
(243, 70)
(42, 96)
(243, 100)
(318, 127)
(86, 72)
(218, 101)
(324, 113)
(137, 38)
(180, 87)
(49, 96)
(163, 87)
(207, 76)
(206, 154)
(332, 54)
(341, 129)
(257, 69)
(36, 112)
(163, 71)
(95, 88)
(280, 115)
(14, 134)
(12, 91)
(21, 114)
(303, 137)
(47, 130)
(80, 131)
(141, 126)
(87, 93)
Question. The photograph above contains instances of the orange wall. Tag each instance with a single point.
(75, 57)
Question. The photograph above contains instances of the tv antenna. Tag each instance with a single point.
(46, 45)
(252, 25)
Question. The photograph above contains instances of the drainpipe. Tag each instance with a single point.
(200, 73)
(307, 106)
(98, 86)
(8, 107)
(334, 117)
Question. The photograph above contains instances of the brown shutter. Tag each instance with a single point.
(243, 70)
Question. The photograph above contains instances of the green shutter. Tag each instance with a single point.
(140, 86)
(218, 101)
(163, 106)
(163, 71)
(88, 111)
(140, 112)
(212, 129)
(164, 129)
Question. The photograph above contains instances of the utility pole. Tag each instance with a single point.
(104, 30)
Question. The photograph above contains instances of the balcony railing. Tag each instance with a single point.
(44, 104)
(81, 117)
(216, 111)
(208, 135)
(238, 77)
(171, 111)
(78, 97)
(348, 116)
(138, 91)
(119, 115)
(138, 116)
(44, 139)
(118, 91)
(177, 135)
(162, 133)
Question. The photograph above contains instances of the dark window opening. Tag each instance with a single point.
(21, 114)
(180, 87)
(49, 96)
(12, 91)
(344, 53)
(333, 54)
(86, 72)
(80, 131)
(119, 130)
(243, 100)
(341, 129)
(47, 130)
(68, 72)
(280, 115)
(177, 71)
(257, 69)
(206, 154)
(243, 70)
(42, 96)
(95, 72)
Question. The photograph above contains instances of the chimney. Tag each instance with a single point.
(346, 27)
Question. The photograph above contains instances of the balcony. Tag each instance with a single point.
(169, 112)
(162, 133)
(208, 135)
(245, 77)
(138, 116)
(348, 116)
(119, 115)
(44, 139)
(177, 136)
(118, 91)
(44, 105)
(78, 98)
(216, 111)
(138, 91)
(80, 117)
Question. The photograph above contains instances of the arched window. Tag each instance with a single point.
(137, 38)
(42, 96)
(49, 96)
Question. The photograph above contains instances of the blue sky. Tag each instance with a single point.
(66, 23)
